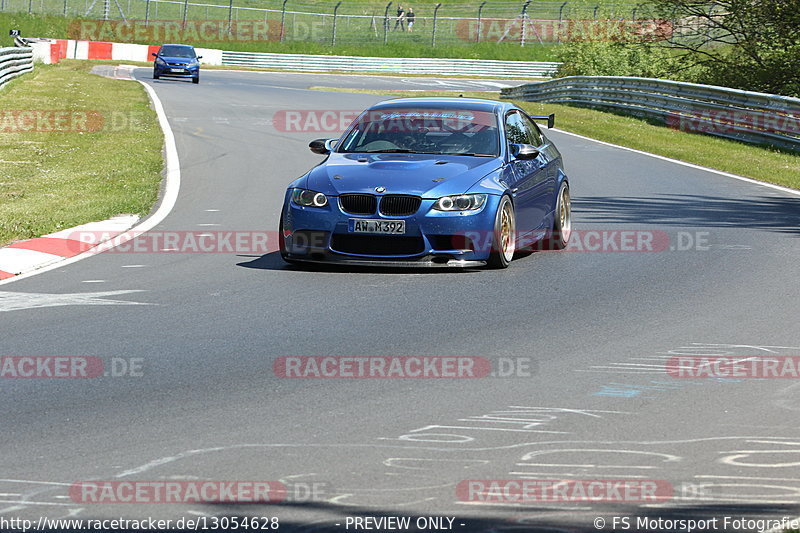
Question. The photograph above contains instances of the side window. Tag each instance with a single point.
(516, 132)
(533, 130)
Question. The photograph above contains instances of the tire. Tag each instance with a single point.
(504, 235)
(196, 79)
(155, 74)
(562, 220)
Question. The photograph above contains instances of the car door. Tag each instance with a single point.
(548, 158)
(529, 175)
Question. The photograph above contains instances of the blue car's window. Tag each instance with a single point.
(428, 131)
(521, 130)
(178, 51)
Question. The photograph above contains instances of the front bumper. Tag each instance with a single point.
(432, 238)
(182, 72)
(425, 262)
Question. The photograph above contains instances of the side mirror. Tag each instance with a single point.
(154, 54)
(524, 151)
(322, 146)
(199, 57)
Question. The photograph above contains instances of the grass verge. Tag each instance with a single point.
(757, 162)
(101, 156)
(59, 27)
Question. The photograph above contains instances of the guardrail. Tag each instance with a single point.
(13, 62)
(742, 115)
(399, 65)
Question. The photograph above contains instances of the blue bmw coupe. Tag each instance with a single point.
(453, 182)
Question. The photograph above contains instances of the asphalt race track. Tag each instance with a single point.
(596, 327)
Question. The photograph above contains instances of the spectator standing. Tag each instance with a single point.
(401, 15)
(410, 17)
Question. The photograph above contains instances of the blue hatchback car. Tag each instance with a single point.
(452, 182)
(178, 61)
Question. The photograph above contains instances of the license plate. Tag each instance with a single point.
(177, 70)
(388, 227)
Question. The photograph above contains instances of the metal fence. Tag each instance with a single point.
(14, 62)
(407, 65)
(520, 22)
(742, 115)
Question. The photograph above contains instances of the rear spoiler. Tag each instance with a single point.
(551, 119)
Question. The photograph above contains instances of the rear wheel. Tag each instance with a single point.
(504, 236)
(562, 223)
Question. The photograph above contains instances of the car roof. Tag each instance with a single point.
(472, 104)
(178, 45)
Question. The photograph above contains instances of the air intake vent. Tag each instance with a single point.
(358, 204)
(399, 206)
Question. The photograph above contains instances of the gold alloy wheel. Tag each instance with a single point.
(507, 230)
(565, 215)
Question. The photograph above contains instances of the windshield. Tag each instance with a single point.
(424, 131)
(178, 51)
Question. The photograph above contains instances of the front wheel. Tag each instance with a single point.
(155, 74)
(562, 223)
(196, 79)
(504, 238)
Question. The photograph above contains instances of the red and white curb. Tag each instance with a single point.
(25, 256)
(54, 50)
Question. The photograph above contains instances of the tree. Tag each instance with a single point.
(747, 44)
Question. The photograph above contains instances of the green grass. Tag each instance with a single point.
(400, 45)
(55, 180)
(757, 162)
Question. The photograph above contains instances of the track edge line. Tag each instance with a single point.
(781, 188)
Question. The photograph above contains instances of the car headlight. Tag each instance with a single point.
(160, 61)
(308, 198)
(462, 202)
(193, 63)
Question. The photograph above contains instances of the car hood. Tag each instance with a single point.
(423, 175)
(173, 59)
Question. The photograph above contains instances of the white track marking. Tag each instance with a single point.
(51, 504)
(28, 481)
(17, 301)
(685, 164)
